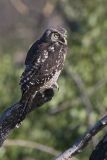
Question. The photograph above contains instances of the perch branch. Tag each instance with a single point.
(83, 142)
(13, 116)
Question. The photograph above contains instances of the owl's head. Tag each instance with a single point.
(55, 35)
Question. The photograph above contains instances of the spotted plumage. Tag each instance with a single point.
(44, 61)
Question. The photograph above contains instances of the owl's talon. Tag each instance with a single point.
(55, 86)
(18, 125)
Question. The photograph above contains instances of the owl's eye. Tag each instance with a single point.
(54, 37)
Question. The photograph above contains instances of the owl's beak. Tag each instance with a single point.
(65, 40)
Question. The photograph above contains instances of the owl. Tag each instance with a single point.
(44, 61)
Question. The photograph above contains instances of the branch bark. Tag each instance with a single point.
(83, 142)
(12, 117)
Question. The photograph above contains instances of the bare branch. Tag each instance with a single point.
(33, 145)
(20, 6)
(14, 115)
(83, 93)
(83, 142)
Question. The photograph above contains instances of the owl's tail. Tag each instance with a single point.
(26, 103)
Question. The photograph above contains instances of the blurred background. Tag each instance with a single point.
(82, 97)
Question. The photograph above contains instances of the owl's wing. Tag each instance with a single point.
(33, 73)
(32, 53)
(35, 77)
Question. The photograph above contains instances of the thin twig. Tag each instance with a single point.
(83, 93)
(30, 144)
(20, 6)
(75, 102)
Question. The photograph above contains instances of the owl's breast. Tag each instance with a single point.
(52, 81)
(57, 54)
(52, 63)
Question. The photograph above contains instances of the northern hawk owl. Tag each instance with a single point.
(44, 61)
